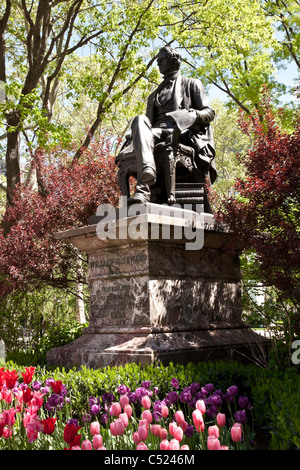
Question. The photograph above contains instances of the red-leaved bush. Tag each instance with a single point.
(264, 214)
(30, 254)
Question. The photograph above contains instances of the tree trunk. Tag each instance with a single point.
(80, 313)
(12, 156)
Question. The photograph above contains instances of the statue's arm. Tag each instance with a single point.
(200, 103)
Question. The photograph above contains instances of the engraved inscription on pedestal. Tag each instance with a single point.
(114, 262)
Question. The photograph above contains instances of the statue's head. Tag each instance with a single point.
(168, 60)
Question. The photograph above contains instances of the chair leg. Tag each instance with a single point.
(170, 175)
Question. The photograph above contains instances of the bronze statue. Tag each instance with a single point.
(178, 117)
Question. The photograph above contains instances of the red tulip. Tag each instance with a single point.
(57, 386)
(27, 395)
(28, 374)
(10, 378)
(49, 425)
(70, 432)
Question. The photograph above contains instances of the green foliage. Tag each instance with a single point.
(264, 307)
(230, 44)
(34, 322)
(278, 408)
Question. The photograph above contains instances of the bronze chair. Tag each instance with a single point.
(178, 181)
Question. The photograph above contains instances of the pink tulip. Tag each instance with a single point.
(164, 445)
(172, 428)
(38, 400)
(184, 426)
(143, 432)
(224, 448)
(141, 446)
(174, 444)
(86, 445)
(8, 417)
(197, 417)
(200, 405)
(200, 427)
(155, 429)
(236, 432)
(32, 435)
(97, 441)
(116, 409)
(178, 434)
(164, 411)
(95, 428)
(6, 396)
(128, 410)
(7, 432)
(112, 427)
(136, 438)
(163, 434)
(184, 447)
(146, 414)
(221, 419)
(213, 431)
(124, 400)
(146, 402)
(143, 422)
(213, 443)
(119, 427)
(124, 418)
(179, 416)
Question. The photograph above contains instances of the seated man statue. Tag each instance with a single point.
(178, 109)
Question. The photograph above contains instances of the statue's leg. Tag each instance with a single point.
(143, 143)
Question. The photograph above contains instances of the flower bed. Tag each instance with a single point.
(36, 415)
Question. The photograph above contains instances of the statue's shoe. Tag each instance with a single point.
(148, 176)
(137, 199)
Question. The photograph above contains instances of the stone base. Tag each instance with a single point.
(97, 350)
(158, 296)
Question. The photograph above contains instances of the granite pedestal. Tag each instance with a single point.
(158, 296)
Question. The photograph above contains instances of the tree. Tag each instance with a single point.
(228, 45)
(31, 256)
(43, 34)
(264, 213)
(230, 141)
(285, 17)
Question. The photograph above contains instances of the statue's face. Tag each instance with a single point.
(163, 62)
